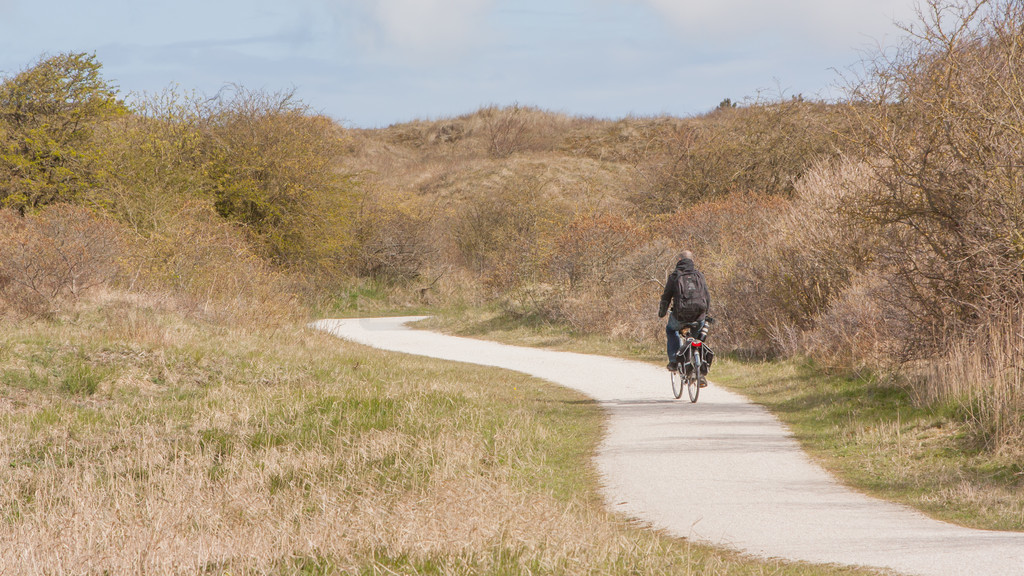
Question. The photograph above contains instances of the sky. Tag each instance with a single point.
(373, 63)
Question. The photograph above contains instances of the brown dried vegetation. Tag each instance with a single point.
(58, 254)
(867, 234)
(880, 234)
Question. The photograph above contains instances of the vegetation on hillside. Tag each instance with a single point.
(868, 233)
(880, 234)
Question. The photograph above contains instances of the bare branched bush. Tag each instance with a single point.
(391, 244)
(55, 256)
(588, 248)
(854, 330)
(506, 129)
(498, 234)
(807, 260)
(943, 128)
(597, 264)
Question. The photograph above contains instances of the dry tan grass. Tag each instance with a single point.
(131, 511)
(982, 374)
(217, 449)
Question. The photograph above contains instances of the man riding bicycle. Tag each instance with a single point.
(686, 291)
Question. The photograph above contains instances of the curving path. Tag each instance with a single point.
(756, 489)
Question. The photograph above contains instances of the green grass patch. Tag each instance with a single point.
(81, 378)
(367, 298)
(492, 324)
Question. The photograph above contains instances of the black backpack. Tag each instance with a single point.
(690, 301)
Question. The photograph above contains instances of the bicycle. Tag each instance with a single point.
(691, 371)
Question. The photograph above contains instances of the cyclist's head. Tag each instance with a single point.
(685, 255)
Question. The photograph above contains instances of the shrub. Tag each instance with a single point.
(498, 234)
(942, 127)
(210, 269)
(55, 255)
(47, 116)
(506, 130)
(391, 244)
(806, 261)
(153, 160)
(588, 247)
(271, 166)
(596, 266)
(854, 331)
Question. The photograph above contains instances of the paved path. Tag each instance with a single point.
(756, 490)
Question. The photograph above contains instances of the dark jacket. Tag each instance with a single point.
(672, 288)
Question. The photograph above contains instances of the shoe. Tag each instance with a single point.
(673, 366)
(703, 368)
(702, 384)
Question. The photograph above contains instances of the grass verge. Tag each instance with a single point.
(533, 331)
(140, 441)
(870, 434)
(873, 436)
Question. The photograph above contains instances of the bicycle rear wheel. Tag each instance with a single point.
(693, 375)
(693, 389)
(677, 383)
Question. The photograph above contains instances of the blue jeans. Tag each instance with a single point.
(674, 339)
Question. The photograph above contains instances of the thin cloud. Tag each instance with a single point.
(428, 27)
(838, 23)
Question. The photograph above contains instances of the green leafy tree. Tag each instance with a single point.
(271, 167)
(47, 116)
(152, 159)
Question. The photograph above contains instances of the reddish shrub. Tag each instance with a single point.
(55, 255)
